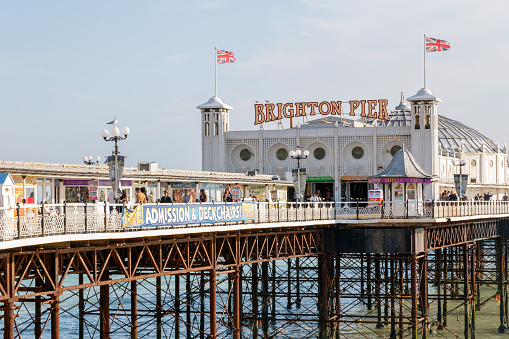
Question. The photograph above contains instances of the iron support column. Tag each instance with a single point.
(134, 310)
(323, 295)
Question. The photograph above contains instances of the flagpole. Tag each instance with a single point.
(215, 71)
(424, 60)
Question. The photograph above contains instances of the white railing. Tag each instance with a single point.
(31, 220)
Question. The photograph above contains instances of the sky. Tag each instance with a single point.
(68, 67)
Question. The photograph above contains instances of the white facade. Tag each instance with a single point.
(347, 151)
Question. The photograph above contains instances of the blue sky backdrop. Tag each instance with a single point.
(67, 67)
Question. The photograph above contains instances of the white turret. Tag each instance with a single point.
(424, 133)
(214, 125)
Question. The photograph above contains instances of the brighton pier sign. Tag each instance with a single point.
(375, 109)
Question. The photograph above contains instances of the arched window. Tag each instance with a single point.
(417, 122)
(426, 121)
(206, 128)
(216, 128)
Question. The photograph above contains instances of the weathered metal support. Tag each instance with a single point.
(446, 279)
(273, 294)
(501, 279)
(9, 319)
(237, 308)
(393, 297)
(177, 306)
(81, 309)
(189, 301)
(368, 282)
(55, 317)
(134, 310)
(438, 275)
(297, 282)
(104, 293)
(289, 282)
(254, 298)
(323, 307)
(265, 298)
(378, 298)
(213, 300)
(158, 309)
(466, 291)
(413, 289)
(337, 283)
(202, 305)
(37, 311)
(423, 287)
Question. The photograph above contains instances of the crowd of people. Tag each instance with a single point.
(485, 196)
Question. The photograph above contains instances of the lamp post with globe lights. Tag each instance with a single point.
(299, 155)
(116, 137)
(88, 160)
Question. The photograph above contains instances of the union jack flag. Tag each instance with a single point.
(225, 57)
(436, 45)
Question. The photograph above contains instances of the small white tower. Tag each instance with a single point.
(214, 125)
(424, 133)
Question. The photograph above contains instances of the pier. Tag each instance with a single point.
(297, 270)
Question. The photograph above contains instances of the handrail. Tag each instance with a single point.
(38, 220)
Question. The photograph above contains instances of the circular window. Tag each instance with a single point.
(473, 163)
(357, 152)
(245, 154)
(282, 154)
(319, 153)
(395, 149)
(491, 163)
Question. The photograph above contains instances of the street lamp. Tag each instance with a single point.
(116, 137)
(88, 160)
(460, 163)
(299, 155)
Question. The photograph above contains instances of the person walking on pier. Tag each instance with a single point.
(141, 198)
(203, 196)
(166, 199)
(151, 199)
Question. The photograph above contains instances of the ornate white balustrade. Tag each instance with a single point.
(28, 221)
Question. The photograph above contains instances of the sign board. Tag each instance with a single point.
(373, 109)
(320, 179)
(184, 214)
(93, 186)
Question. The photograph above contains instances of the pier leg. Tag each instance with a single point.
(438, 274)
(38, 314)
(473, 292)
(337, 281)
(413, 288)
(297, 282)
(9, 316)
(323, 272)
(423, 286)
(466, 290)
(237, 310)
(401, 288)
(368, 282)
(254, 300)
(289, 282)
(81, 309)
(213, 315)
(105, 310)
(177, 306)
(445, 278)
(265, 298)
(55, 317)
(158, 308)
(189, 300)
(378, 298)
(202, 305)
(393, 298)
(501, 279)
(273, 309)
(134, 310)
